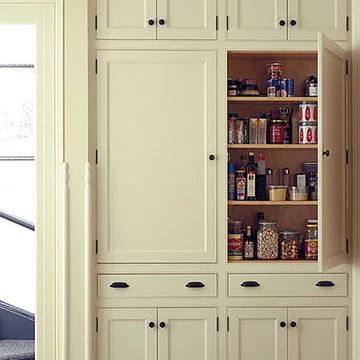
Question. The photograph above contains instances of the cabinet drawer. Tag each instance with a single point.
(287, 285)
(184, 285)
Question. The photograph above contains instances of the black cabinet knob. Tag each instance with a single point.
(283, 324)
(151, 324)
(162, 22)
(325, 284)
(151, 22)
(119, 285)
(293, 22)
(212, 157)
(250, 284)
(293, 324)
(282, 22)
(162, 324)
(195, 284)
(326, 153)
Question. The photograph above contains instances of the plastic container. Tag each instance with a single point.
(277, 192)
(267, 240)
(295, 195)
(289, 245)
(310, 167)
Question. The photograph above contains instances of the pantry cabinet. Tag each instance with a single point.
(156, 172)
(157, 334)
(287, 334)
(286, 19)
(156, 19)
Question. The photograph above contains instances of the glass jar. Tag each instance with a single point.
(277, 132)
(267, 240)
(289, 245)
(311, 241)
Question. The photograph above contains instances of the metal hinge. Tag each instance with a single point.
(96, 246)
(217, 324)
(96, 66)
(347, 67)
(347, 24)
(347, 245)
(97, 324)
(227, 22)
(347, 156)
(96, 25)
(227, 324)
(347, 323)
(217, 23)
(96, 157)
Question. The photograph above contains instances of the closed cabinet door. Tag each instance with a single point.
(156, 134)
(257, 334)
(127, 334)
(317, 333)
(186, 19)
(126, 19)
(309, 17)
(187, 333)
(257, 19)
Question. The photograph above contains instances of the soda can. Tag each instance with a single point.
(289, 87)
(273, 86)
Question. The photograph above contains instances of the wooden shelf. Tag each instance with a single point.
(264, 99)
(272, 146)
(252, 262)
(272, 203)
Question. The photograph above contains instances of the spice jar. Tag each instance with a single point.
(289, 245)
(267, 240)
(277, 128)
(311, 241)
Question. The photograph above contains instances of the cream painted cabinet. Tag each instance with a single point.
(317, 333)
(157, 334)
(286, 19)
(156, 19)
(287, 334)
(156, 172)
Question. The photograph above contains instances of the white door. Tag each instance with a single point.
(317, 333)
(332, 154)
(126, 19)
(187, 333)
(257, 19)
(186, 19)
(156, 134)
(257, 334)
(128, 334)
(309, 17)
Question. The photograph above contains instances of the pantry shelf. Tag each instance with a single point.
(276, 261)
(272, 146)
(264, 99)
(272, 203)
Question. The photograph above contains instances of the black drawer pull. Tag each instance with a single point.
(325, 284)
(250, 284)
(195, 284)
(119, 285)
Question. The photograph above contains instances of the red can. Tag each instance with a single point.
(308, 112)
(308, 132)
(235, 247)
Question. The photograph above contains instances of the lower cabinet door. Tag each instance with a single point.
(187, 334)
(127, 334)
(317, 333)
(257, 334)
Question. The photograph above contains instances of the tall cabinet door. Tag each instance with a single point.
(332, 154)
(126, 334)
(309, 17)
(187, 334)
(257, 334)
(317, 334)
(156, 132)
(187, 19)
(126, 19)
(257, 19)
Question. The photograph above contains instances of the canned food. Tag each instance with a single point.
(308, 133)
(274, 71)
(235, 247)
(272, 87)
(308, 112)
(286, 88)
(277, 132)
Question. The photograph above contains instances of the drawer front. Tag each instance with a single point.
(184, 285)
(287, 285)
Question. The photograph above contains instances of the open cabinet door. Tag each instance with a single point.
(331, 156)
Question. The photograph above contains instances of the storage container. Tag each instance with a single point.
(289, 244)
(267, 240)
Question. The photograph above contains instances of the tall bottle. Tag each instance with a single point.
(251, 178)
(261, 178)
(249, 245)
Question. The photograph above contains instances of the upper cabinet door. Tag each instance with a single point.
(156, 130)
(126, 19)
(187, 334)
(257, 19)
(332, 154)
(186, 19)
(309, 17)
